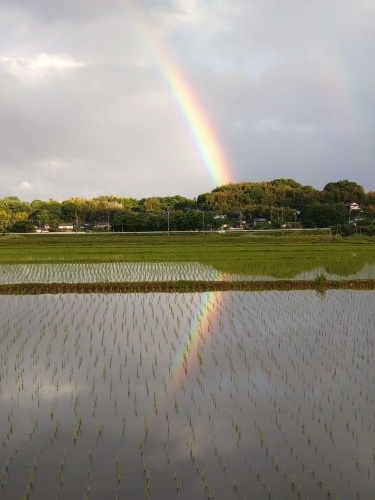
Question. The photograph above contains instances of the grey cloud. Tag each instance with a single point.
(287, 87)
(69, 10)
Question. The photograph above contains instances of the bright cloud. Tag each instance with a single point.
(40, 67)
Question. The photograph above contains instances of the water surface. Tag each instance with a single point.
(213, 395)
(145, 271)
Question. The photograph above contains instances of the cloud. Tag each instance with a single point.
(70, 11)
(287, 88)
(40, 67)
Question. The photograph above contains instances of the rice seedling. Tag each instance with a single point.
(238, 391)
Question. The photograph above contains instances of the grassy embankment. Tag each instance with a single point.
(282, 256)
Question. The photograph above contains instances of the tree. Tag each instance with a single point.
(22, 226)
(40, 218)
(346, 229)
(152, 204)
(14, 204)
(343, 191)
(54, 225)
(323, 215)
(69, 209)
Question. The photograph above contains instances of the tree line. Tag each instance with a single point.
(268, 204)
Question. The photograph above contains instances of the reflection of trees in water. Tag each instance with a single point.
(288, 267)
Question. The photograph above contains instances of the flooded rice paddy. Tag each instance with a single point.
(106, 272)
(203, 395)
(145, 272)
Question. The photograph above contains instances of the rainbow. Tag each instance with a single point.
(215, 162)
(198, 123)
(188, 355)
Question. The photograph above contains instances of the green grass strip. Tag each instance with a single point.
(319, 284)
(281, 256)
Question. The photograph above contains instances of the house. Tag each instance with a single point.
(102, 226)
(88, 227)
(353, 206)
(66, 227)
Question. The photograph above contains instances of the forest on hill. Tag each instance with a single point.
(246, 205)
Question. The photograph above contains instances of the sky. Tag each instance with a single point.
(141, 98)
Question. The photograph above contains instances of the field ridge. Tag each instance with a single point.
(320, 284)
